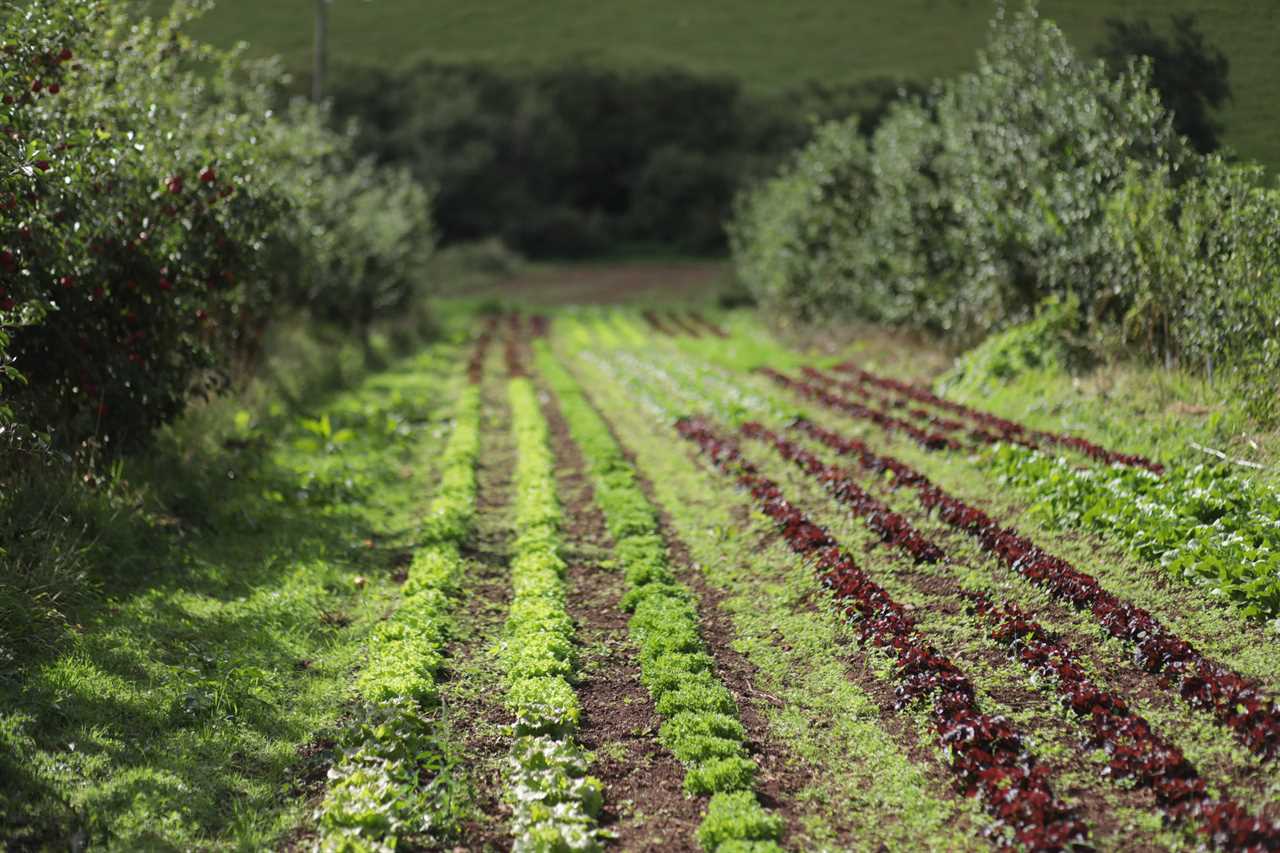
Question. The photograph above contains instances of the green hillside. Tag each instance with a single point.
(769, 45)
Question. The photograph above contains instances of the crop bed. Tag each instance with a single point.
(669, 585)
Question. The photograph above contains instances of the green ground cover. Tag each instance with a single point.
(195, 700)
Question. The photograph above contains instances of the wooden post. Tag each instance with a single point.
(321, 57)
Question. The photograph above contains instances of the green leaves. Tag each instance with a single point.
(1204, 525)
(553, 799)
(376, 792)
(701, 726)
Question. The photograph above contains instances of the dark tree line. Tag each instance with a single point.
(1190, 74)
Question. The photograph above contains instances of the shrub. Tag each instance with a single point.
(1031, 144)
(796, 237)
(1036, 179)
(1196, 272)
(159, 213)
(133, 201)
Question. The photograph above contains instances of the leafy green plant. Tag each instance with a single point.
(701, 726)
(735, 822)
(553, 799)
(1038, 176)
(1204, 524)
(375, 795)
(160, 212)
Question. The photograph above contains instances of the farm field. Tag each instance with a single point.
(769, 46)
(646, 577)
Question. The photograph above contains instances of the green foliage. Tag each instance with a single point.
(553, 799)
(206, 638)
(159, 213)
(556, 802)
(970, 208)
(1198, 264)
(1036, 177)
(452, 510)
(375, 795)
(735, 817)
(1049, 342)
(373, 233)
(1203, 524)
(792, 236)
(574, 159)
(701, 726)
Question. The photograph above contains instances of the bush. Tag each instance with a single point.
(796, 236)
(159, 213)
(1038, 178)
(1197, 273)
(1031, 144)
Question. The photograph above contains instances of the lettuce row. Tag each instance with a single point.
(375, 794)
(1202, 524)
(554, 801)
(700, 719)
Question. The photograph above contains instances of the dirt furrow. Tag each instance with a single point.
(644, 801)
(472, 693)
(780, 779)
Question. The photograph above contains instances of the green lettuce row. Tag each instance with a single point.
(700, 719)
(555, 803)
(1203, 524)
(375, 794)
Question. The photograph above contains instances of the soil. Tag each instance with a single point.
(477, 715)
(645, 806)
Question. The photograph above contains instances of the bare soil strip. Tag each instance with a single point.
(644, 800)
(471, 695)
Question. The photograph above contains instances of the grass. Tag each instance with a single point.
(193, 700)
(770, 46)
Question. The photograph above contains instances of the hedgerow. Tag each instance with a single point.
(700, 719)
(1039, 175)
(553, 799)
(159, 211)
(376, 793)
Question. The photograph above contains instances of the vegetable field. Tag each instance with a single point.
(653, 580)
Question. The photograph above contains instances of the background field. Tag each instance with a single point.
(767, 45)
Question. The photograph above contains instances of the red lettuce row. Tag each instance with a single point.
(891, 527)
(1011, 430)
(987, 754)
(889, 423)
(475, 365)
(1237, 702)
(540, 325)
(1134, 750)
(946, 425)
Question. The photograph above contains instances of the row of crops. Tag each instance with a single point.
(652, 580)
(852, 473)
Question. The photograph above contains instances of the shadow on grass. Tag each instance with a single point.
(216, 626)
